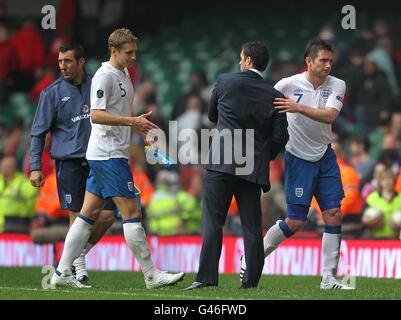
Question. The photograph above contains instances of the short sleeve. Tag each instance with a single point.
(336, 98)
(101, 90)
(282, 86)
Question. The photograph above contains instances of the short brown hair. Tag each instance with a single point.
(119, 37)
(314, 46)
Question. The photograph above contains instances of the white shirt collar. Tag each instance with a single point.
(257, 71)
(310, 84)
(115, 70)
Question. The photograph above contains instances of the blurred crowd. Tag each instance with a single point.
(366, 139)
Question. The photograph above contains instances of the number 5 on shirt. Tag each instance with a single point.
(123, 92)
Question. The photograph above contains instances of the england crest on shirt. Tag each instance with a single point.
(130, 186)
(324, 95)
(68, 198)
(299, 192)
(326, 92)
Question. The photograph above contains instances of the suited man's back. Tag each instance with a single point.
(243, 100)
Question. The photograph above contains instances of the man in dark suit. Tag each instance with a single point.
(247, 123)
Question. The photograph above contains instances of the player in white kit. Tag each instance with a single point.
(313, 101)
(112, 95)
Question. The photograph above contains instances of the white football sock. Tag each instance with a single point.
(80, 262)
(330, 253)
(273, 238)
(75, 242)
(136, 240)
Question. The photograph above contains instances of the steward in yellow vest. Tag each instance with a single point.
(17, 195)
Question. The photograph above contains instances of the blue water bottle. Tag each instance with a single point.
(159, 156)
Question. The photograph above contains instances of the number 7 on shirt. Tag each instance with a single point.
(299, 95)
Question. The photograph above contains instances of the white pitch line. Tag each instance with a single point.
(147, 293)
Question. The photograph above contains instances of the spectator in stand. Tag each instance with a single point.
(3, 138)
(17, 141)
(381, 55)
(171, 210)
(191, 119)
(376, 136)
(66, 17)
(197, 85)
(389, 142)
(355, 77)
(388, 201)
(50, 223)
(391, 159)
(360, 158)
(144, 95)
(135, 74)
(395, 125)
(398, 182)
(8, 62)
(30, 51)
(3, 9)
(47, 78)
(156, 117)
(396, 54)
(372, 185)
(372, 97)
(17, 198)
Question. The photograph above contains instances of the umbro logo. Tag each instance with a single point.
(65, 99)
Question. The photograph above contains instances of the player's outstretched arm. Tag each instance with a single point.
(326, 115)
(100, 116)
(144, 127)
(141, 124)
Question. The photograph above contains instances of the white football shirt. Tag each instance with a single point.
(111, 90)
(309, 139)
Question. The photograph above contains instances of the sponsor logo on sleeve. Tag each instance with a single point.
(99, 94)
(84, 114)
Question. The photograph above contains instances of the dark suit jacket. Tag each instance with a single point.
(243, 100)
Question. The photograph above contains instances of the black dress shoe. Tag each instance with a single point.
(198, 285)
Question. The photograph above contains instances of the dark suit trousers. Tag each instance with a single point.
(218, 189)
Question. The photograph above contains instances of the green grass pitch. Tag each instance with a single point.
(25, 283)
